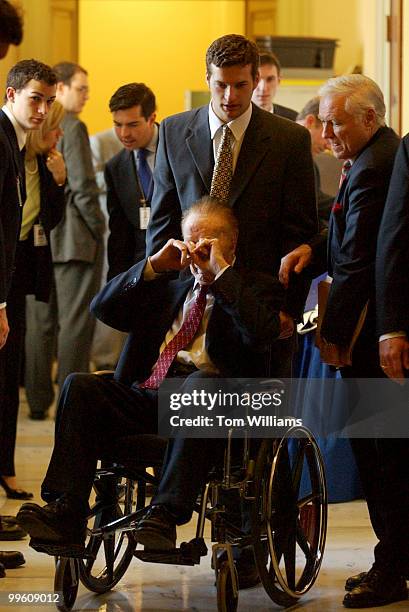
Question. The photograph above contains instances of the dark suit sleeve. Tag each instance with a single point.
(121, 240)
(53, 199)
(5, 274)
(253, 303)
(115, 304)
(299, 221)
(354, 270)
(165, 207)
(392, 266)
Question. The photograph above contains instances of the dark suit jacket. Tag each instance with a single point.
(392, 276)
(11, 171)
(272, 190)
(242, 324)
(352, 238)
(39, 277)
(126, 242)
(284, 111)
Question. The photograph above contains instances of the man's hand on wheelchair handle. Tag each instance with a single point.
(295, 261)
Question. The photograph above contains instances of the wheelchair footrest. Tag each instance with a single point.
(189, 553)
(60, 550)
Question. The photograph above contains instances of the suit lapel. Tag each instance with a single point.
(12, 138)
(254, 147)
(200, 146)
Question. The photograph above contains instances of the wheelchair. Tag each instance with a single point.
(287, 526)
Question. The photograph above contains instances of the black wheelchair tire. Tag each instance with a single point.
(284, 587)
(117, 549)
(66, 582)
(226, 600)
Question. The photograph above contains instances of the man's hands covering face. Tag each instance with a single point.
(205, 258)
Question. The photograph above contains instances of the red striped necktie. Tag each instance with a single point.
(346, 167)
(184, 336)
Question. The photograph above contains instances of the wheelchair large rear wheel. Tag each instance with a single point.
(66, 582)
(112, 554)
(289, 524)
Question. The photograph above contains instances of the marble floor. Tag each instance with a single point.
(162, 588)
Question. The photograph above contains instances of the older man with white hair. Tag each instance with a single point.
(352, 112)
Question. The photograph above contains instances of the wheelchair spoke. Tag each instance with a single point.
(109, 549)
(290, 557)
(297, 469)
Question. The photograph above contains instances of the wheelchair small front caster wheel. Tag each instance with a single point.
(227, 595)
(66, 582)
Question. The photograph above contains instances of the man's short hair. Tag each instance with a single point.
(208, 206)
(66, 70)
(311, 108)
(270, 59)
(11, 24)
(134, 94)
(361, 94)
(26, 70)
(233, 50)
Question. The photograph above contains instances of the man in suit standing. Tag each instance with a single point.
(392, 279)
(271, 180)
(352, 112)
(77, 249)
(129, 175)
(107, 342)
(238, 317)
(264, 93)
(30, 91)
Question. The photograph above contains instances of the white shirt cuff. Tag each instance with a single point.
(3, 305)
(390, 335)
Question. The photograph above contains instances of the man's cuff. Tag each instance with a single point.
(148, 271)
(3, 305)
(398, 334)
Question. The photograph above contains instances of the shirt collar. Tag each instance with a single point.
(153, 143)
(20, 133)
(238, 126)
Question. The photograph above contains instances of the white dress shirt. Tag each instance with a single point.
(237, 126)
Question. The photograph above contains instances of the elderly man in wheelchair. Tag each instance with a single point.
(215, 320)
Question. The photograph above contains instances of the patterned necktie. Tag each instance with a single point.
(145, 174)
(184, 336)
(346, 167)
(223, 168)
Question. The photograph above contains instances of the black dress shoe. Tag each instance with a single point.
(14, 493)
(57, 522)
(354, 581)
(378, 588)
(2, 571)
(156, 530)
(11, 559)
(11, 531)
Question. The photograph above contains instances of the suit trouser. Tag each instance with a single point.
(65, 324)
(11, 356)
(93, 413)
(383, 465)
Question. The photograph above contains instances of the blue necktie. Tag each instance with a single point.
(145, 175)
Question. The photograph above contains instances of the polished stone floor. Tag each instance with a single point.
(152, 587)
